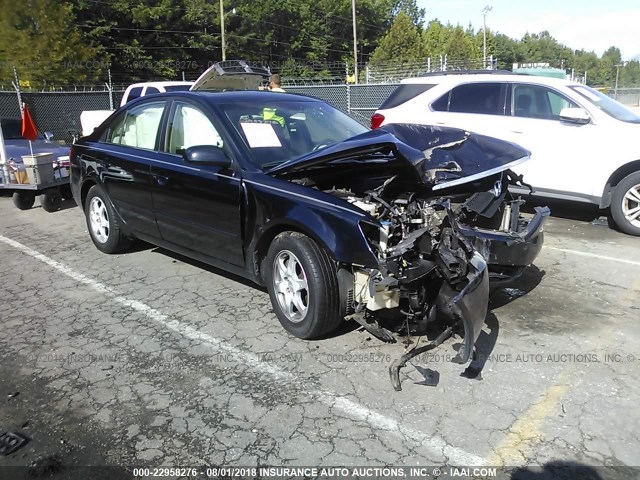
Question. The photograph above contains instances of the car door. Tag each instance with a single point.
(124, 156)
(197, 206)
(477, 106)
(529, 115)
(560, 150)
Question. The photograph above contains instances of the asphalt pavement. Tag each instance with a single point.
(150, 359)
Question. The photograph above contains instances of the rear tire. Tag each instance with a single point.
(51, 200)
(303, 285)
(24, 200)
(102, 224)
(625, 204)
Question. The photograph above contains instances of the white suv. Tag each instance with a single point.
(584, 145)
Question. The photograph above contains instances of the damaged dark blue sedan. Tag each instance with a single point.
(400, 228)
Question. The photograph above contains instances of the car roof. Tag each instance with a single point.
(236, 96)
(485, 77)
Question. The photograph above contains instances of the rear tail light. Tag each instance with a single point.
(376, 120)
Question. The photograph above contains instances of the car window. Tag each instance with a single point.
(537, 101)
(138, 127)
(151, 90)
(12, 128)
(481, 98)
(405, 92)
(134, 93)
(177, 88)
(189, 126)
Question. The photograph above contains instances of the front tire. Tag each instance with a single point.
(102, 224)
(625, 204)
(303, 285)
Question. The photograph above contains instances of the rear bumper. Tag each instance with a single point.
(510, 250)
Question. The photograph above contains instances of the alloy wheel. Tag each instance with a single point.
(99, 219)
(631, 205)
(291, 286)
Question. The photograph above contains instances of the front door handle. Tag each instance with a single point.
(161, 180)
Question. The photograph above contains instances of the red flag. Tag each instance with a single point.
(29, 129)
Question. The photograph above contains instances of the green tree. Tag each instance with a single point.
(435, 39)
(542, 47)
(410, 7)
(39, 38)
(401, 44)
(461, 45)
(503, 48)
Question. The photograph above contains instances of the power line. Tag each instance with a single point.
(245, 37)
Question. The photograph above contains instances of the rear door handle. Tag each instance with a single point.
(161, 180)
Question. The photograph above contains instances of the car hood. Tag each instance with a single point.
(440, 157)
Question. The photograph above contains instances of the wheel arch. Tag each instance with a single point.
(86, 186)
(615, 178)
(261, 246)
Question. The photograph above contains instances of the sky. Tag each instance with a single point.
(592, 25)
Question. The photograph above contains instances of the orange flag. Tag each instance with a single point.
(29, 129)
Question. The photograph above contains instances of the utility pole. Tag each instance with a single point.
(355, 42)
(485, 10)
(224, 47)
(222, 16)
(615, 90)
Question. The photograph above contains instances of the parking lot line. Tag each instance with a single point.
(352, 409)
(594, 255)
(525, 431)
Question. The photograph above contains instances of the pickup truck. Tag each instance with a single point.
(227, 75)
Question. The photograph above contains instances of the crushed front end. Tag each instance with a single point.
(440, 222)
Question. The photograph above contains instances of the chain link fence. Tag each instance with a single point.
(359, 101)
(59, 112)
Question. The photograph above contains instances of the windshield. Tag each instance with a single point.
(276, 131)
(607, 104)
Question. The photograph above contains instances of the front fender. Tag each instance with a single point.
(275, 205)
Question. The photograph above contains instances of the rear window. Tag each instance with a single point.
(134, 93)
(177, 88)
(12, 128)
(405, 92)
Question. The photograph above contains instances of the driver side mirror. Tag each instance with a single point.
(206, 155)
(575, 115)
(48, 136)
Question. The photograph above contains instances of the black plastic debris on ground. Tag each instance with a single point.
(10, 442)
(431, 378)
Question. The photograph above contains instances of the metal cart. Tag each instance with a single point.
(51, 192)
